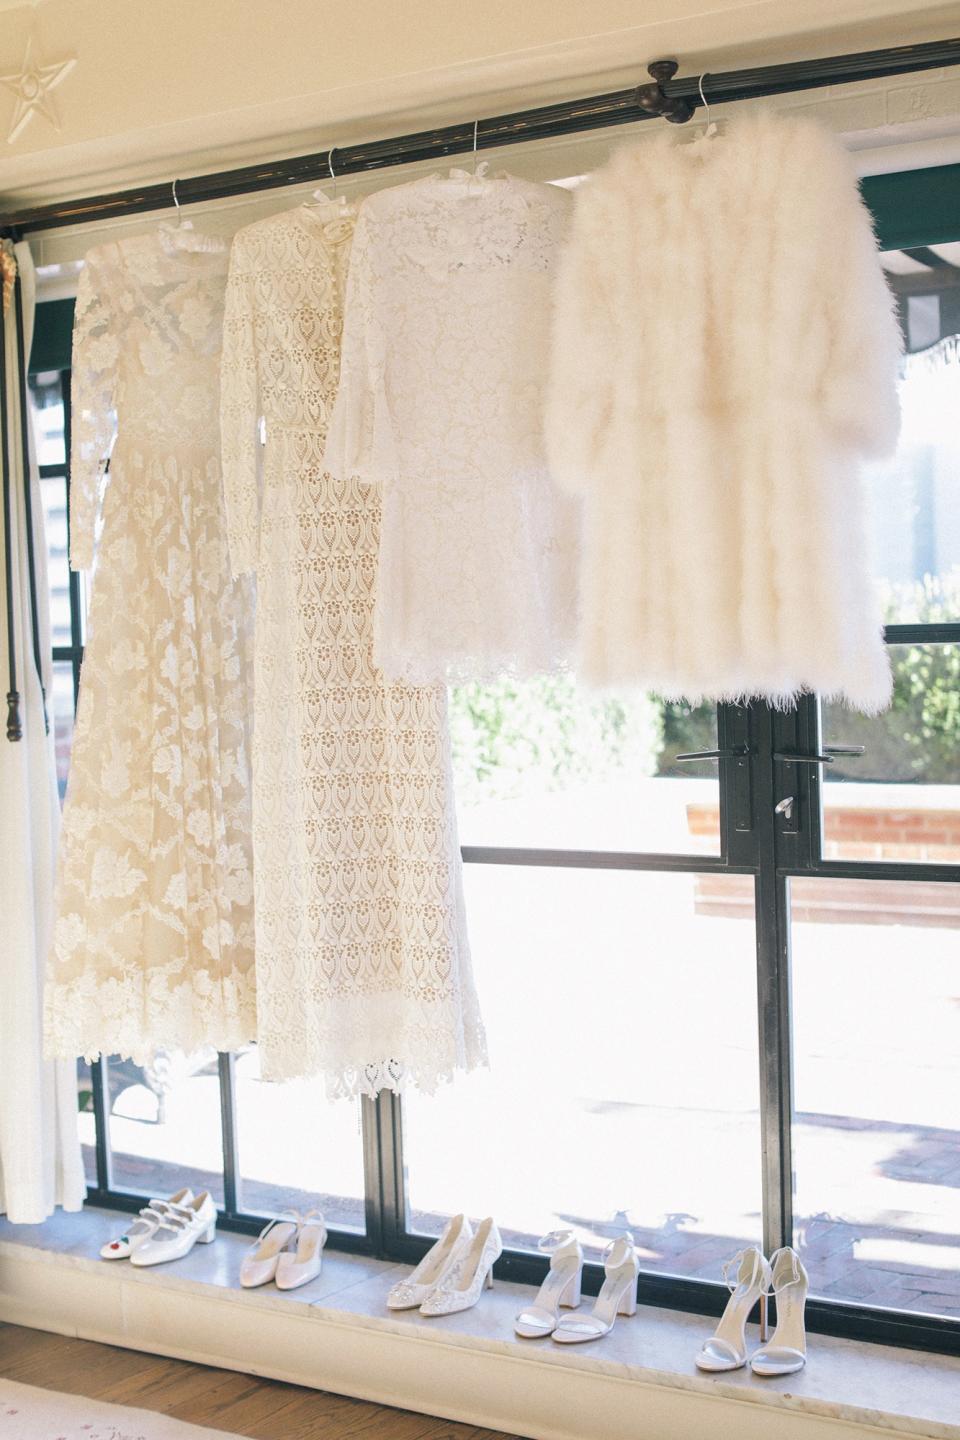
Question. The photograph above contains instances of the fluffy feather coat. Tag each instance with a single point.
(725, 356)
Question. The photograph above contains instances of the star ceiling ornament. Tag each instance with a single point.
(31, 85)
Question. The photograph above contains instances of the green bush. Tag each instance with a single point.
(514, 738)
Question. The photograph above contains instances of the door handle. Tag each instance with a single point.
(829, 751)
(737, 753)
(786, 759)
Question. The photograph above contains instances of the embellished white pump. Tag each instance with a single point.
(748, 1279)
(561, 1286)
(618, 1296)
(461, 1286)
(787, 1348)
(410, 1294)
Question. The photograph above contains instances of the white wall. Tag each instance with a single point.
(203, 83)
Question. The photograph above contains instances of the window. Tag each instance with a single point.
(720, 991)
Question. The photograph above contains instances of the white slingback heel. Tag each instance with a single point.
(259, 1265)
(748, 1279)
(787, 1349)
(618, 1296)
(561, 1286)
(301, 1262)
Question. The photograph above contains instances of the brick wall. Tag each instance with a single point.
(856, 833)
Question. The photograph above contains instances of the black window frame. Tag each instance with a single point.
(911, 208)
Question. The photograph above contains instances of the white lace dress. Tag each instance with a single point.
(153, 943)
(363, 968)
(445, 353)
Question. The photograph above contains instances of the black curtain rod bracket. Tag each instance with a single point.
(655, 100)
(666, 97)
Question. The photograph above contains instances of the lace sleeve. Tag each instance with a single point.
(96, 349)
(240, 449)
(350, 438)
(579, 396)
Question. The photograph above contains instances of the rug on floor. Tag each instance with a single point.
(30, 1413)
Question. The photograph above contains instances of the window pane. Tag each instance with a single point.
(623, 1088)
(48, 418)
(916, 495)
(900, 800)
(550, 764)
(877, 1080)
(53, 493)
(86, 1123)
(62, 709)
(297, 1149)
(165, 1124)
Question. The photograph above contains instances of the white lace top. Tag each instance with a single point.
(440, 403)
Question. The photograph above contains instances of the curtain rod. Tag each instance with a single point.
(665, 97)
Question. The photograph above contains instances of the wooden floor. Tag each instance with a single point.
(221, 1399)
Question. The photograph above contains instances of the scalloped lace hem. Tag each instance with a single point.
(132, 1021)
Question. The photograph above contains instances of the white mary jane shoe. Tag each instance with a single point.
(787, 1350)
(410, 1294)
(143, 1227)
(181, 1227)
(618, 1296)
(727, 1347)
(297, 1266)
(259, 1265)
(461, 1286)
(561, 1286)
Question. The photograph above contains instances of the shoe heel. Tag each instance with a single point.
(763, 1319)
(570, 1298)
(488, 1283)
(209, 1235)
(628, 1300)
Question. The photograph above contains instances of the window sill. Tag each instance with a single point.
(336, 1334)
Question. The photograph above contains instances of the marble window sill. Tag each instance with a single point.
(868, 1386)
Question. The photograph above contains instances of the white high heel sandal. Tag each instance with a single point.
(727, 1347)
(461, 1286)
(297, 1266)
(259, 1265)
(618, 1296)
(410, 1294)
(787, 1350)
(561, 1286)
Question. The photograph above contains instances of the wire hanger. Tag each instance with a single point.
(181, 223)
(711, 126)
(339, 204)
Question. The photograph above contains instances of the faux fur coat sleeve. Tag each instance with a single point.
(725, 357)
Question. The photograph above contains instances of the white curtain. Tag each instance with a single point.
(40, 1161)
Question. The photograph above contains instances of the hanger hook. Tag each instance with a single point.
(476, 127)
(176, 200)
(704, 101)
(333, 173)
